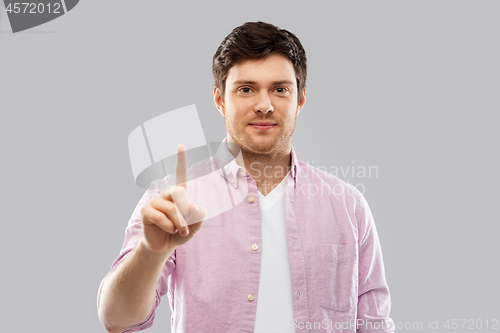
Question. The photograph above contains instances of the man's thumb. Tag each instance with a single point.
(198, 214)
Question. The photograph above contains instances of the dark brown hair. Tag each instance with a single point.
(257, 40)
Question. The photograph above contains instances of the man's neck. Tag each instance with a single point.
(267, 170)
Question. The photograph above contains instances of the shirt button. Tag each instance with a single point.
(255, 247)
(243, 173)
(251, 199)
(250, 297)
(232, 180)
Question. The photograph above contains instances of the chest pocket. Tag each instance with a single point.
(338, 275)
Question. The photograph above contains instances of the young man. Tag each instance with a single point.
(284, 247)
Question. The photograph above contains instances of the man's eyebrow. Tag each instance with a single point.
(253, 82)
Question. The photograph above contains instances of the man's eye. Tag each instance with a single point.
(281, 90)
(245, 90)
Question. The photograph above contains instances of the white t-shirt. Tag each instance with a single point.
(274, 306)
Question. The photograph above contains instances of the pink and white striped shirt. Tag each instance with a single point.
(337, 272)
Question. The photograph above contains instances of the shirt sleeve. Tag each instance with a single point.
(374, 302)
(133, 234)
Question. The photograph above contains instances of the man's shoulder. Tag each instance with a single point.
(321, 184)
(203, 167)
(315, 175)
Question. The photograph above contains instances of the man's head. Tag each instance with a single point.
(260, 73)
(257, 40)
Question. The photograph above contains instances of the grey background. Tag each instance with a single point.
(410, 87)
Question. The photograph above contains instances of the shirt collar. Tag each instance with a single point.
(231, 171)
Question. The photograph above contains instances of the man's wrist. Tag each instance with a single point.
(145, 251)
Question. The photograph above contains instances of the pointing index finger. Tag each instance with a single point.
(181, 167)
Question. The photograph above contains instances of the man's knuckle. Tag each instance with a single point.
(170, 208)
(157, 217)
(145, 209)
(153, 202)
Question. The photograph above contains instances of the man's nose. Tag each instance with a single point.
(264, 103)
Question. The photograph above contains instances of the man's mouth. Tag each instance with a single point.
(262, 125)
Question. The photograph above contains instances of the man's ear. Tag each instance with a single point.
(219, 103)
(302, 101)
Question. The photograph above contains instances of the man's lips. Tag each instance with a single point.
(262, 125)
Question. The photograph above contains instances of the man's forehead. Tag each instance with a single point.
(273, 68)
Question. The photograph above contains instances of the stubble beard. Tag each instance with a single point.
(261, 145)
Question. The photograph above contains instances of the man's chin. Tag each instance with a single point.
(256, 143)
(260, 145)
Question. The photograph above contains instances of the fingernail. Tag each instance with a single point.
(185, 232)
(196, 208)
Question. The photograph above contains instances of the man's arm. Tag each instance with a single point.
(169, 219)
(374, 302)
(128, 292)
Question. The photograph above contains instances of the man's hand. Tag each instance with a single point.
(165, 219)
(128, 293)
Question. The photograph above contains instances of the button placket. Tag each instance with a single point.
(231, 178)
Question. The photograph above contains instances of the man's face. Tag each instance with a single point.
(260, 92)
